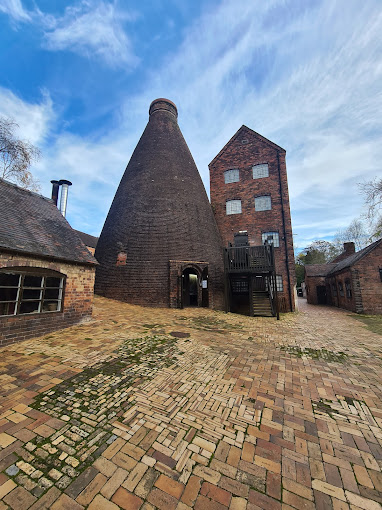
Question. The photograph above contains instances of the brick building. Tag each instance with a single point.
(353, 280)
(160, 245)
(250, 200)
(46, 272)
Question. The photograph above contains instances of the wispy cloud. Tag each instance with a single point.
(93, 28)
(34, 119)
(15, 10)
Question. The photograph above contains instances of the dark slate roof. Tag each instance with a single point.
(355, 257)
(318, 269)
(31, 224)
(87, 239)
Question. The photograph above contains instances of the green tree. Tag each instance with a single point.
(318, 252)
(16, 156)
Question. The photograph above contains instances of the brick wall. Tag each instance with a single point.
(345, 301)
(77, 300)
(312, 282)
(370, 282)
(255, 150)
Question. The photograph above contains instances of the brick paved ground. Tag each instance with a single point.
(180, 409)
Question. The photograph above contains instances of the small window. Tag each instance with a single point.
(380, 273)
(22, 293)
(334, 290)
(271, 238)
(341, 289)
(233, 206)
(231, 175)
(348, 289)
(260, 171)
(239, 286)
(263, 203)
(279, 283)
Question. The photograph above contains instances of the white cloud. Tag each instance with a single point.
(34, 119)
(15, 10)
(93, 28)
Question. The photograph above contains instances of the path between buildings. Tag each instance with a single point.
(179, 409)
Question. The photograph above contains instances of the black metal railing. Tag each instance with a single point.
(249, 259)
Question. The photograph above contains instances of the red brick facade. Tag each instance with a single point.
(242, 152)
(356, 287)
(76, 305)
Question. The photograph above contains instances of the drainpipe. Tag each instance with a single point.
(284, 230)
(64, 195)
(55, 188)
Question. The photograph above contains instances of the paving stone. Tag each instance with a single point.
(64, 502)
(162, 500)
(237, 413)
(19, 499)
(100, 503)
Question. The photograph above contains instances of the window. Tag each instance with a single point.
(348, 289)
(271, 237)
(24, 293)
(260, 171)
(341, 288)
(334, 290)
(239, 286)
(233, 206)
(263, 203)
(279, 283)
(231, 176)
(380, 273)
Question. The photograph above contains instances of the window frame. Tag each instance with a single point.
(279, 286)
(270, 203)
(260, 176)
(230, 202)
(228, 172)
(348, 289)
(341, 289)
(43, 300)
(268, 232)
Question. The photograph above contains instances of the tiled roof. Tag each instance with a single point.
(355, 257)
(87, 239)
(32, 224)
(318, 269)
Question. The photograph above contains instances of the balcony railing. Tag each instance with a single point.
(249, 259)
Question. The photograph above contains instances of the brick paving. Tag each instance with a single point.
(180, 409)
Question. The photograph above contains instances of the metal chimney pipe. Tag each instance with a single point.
(55, 187)
(64, 195)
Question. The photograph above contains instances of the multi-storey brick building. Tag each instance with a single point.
(249, 195)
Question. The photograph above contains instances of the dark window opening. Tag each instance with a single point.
(348, 289)
(24, 293)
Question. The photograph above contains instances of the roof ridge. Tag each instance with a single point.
(255, 133)
(14, 185)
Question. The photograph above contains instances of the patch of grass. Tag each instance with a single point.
(87, 338)
(372, 322)
(330, 356)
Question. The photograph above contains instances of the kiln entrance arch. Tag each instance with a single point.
(190, 286)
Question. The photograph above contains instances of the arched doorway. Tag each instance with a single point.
(190, 287)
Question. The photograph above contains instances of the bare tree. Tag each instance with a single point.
(356, 232)
(372, 192)
(16, 156)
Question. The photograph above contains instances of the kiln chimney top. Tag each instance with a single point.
(163, 104)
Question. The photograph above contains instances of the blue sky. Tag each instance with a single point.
(79, 76)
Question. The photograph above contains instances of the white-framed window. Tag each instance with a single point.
(260, 171)
(231, 175)
(233, 207)
(26, 293)
(279, 283)
(263, 203)
(271, 237)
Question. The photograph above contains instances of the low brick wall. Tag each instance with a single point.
(76, 304)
